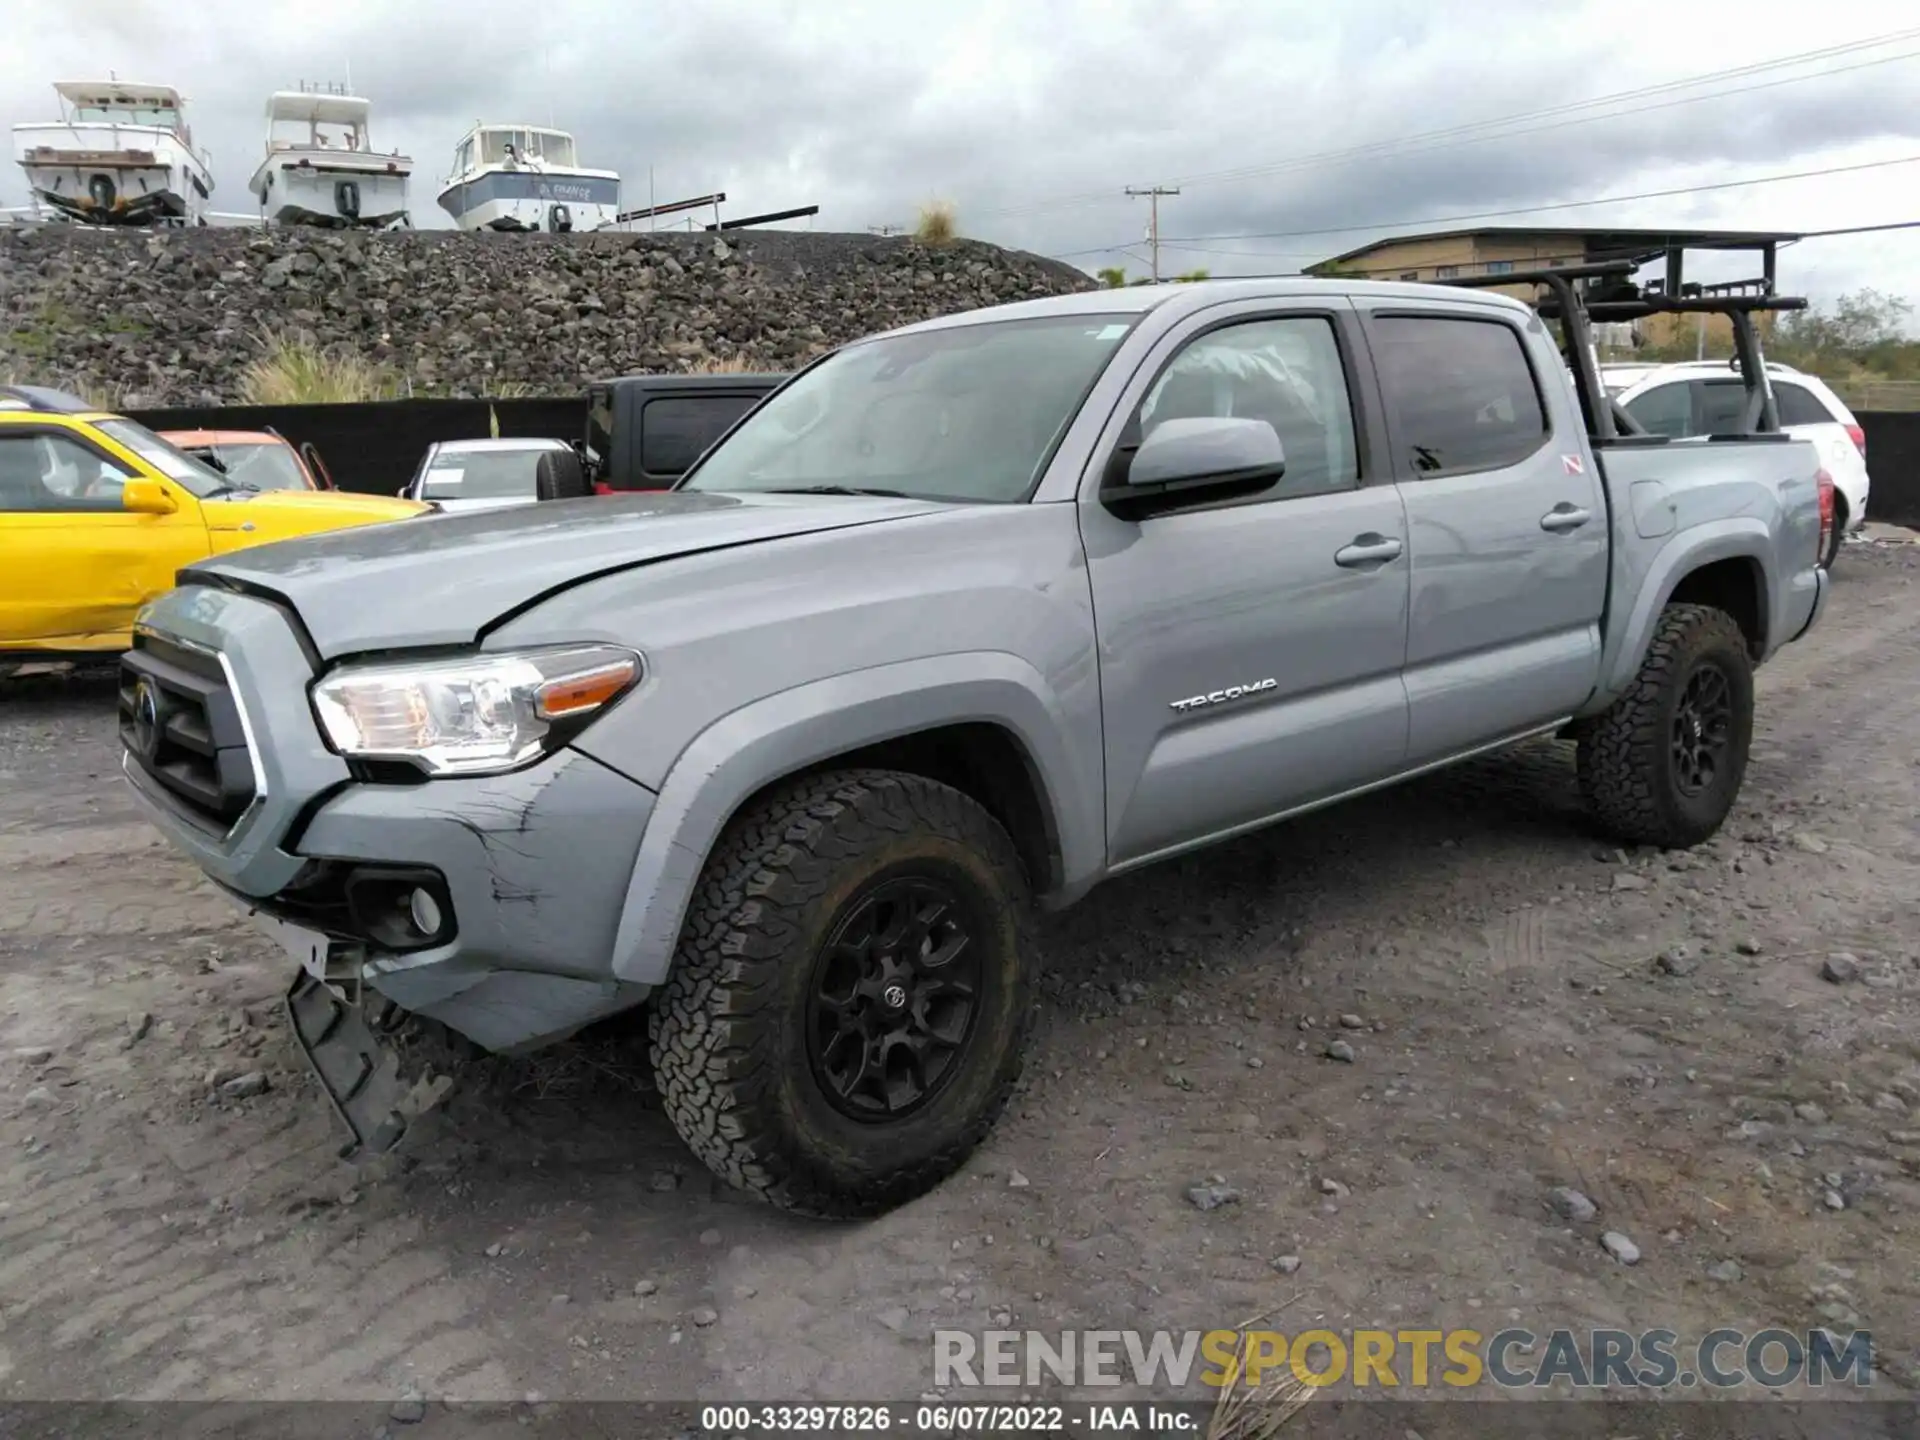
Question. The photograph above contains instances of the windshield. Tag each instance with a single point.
(196, 477)
(258, 466)
(966, 413)
(481, 475)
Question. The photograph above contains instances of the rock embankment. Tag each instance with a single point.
(175, 317)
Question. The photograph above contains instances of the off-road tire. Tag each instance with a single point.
(728, 1029)
(1626, 766)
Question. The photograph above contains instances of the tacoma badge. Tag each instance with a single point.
(1220, 697)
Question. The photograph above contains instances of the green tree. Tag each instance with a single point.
(1113, 276)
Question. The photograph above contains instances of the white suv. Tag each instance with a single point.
(1705, 398)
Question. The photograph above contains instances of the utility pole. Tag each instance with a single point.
(1153, 224)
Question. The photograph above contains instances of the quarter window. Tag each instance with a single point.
(40, 473)
(1799, 405)
(1285, 372)
(1460, 393)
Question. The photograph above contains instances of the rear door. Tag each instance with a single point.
(1250, 649)
(1506, 518)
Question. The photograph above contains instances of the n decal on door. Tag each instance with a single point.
(1220, 697)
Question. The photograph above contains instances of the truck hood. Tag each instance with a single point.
(444, 579)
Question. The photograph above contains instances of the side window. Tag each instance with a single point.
(1286, 372)
(1723, 406)
(40, 473)
(675, 430)
(1460, 393)
(1799, 405)
(1665, 409)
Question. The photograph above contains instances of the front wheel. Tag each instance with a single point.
(1663, 765)
(851, 995)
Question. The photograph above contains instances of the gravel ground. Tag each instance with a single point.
(1524, 1008)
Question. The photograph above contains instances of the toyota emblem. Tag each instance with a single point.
(895, 995)
(146, 720)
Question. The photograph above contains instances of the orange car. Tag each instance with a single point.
(260, 459)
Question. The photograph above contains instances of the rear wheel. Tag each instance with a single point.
(1663, 765)
(1839, 531)
(851, 995)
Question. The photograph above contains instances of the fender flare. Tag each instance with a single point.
(1741, 538)
(781, 734)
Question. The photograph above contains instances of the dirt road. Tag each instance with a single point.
(1748, 1124)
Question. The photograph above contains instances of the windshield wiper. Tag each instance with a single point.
(836, 490)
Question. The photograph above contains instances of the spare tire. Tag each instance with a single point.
(558, 476)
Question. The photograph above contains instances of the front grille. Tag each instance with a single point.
(180, 724)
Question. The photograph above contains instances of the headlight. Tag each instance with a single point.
(475, 715)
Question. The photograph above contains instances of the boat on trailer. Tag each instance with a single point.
(120, 154)
(526, 177)
(321, 168)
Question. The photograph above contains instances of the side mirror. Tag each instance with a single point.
(146, 497)
(1206, 457)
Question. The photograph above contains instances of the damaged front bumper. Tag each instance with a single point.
(485, 904)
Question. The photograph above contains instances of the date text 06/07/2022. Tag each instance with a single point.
(943, 1418)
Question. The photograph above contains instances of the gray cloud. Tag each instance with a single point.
(1034, 119)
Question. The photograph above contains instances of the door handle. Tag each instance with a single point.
(1564, 517)
(1368, 549)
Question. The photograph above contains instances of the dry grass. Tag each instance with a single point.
(1256, 1411)
(938, 223)
(723, 365)
(293, 368)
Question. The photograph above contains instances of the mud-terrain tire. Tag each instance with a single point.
(1641, 760)
(762, 1019)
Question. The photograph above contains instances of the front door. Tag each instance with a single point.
(75, 565)
(1506, 517)
(1250, 650)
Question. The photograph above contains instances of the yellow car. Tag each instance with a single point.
(97, 513)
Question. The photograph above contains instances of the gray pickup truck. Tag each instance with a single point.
(984, 609)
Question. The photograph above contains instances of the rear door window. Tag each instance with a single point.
(675, 430)
(1722, 407)
(1665, 409)
(1460, 393)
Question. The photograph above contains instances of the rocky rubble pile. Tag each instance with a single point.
(174, 317)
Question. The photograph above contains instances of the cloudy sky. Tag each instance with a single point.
(1310, 128)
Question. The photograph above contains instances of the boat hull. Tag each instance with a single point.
(527, 200)
(308, 191)
(113, 175)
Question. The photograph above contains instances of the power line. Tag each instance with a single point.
(1498, 128)
(1197, 243)
(1570, 204)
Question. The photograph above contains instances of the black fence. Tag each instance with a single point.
(373, 448)
(1893, 465)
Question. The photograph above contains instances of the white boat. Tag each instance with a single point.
(120, 154)
(526, 177)
(321, 167)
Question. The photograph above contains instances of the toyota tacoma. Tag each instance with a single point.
(971, 613)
